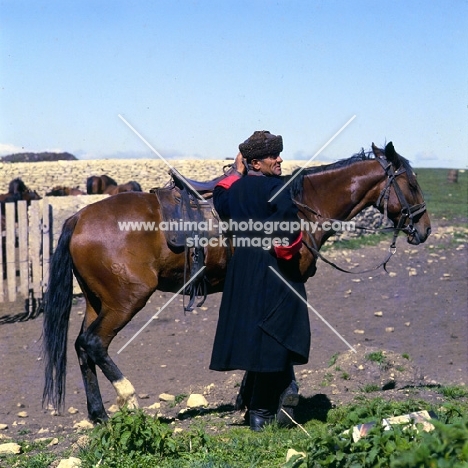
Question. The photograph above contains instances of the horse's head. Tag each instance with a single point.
(17, 186)
(401, 198)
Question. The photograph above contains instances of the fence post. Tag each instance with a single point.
(46, 241)
(35, 239)
(23, 248)
(10, 210)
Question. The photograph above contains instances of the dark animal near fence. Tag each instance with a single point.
(106, 185)
(118, 270)
(131, 186)
(17, 190)
(61, 191)
(97, 184)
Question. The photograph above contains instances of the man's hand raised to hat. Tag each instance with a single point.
(239, 163)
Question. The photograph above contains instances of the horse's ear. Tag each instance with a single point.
(390, 152)
(378, 153)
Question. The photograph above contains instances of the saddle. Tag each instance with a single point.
(188, 214)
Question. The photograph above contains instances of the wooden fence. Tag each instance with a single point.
(25, 252)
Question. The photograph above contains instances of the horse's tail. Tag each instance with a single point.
(57, 306)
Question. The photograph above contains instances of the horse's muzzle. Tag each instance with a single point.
(414, 237)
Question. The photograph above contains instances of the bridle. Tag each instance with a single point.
(407, 212)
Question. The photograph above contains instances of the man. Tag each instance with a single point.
(263, 325)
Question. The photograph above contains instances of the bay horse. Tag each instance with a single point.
(97, 184)
(131, 186)
(17, 190)
(118, 270)
(61, 191)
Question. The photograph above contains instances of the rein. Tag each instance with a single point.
(407, 211)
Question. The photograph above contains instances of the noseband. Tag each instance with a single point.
(407, 211)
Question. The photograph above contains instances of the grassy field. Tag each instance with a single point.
(133, 439)
(445, 200)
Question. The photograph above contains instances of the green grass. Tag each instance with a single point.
(444, 200)
(133, 439)
(453, 391)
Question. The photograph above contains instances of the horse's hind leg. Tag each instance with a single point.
(91, 346)
(96, 411)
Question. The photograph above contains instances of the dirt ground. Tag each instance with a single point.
(416, 315)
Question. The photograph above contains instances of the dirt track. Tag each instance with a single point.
(423, 299)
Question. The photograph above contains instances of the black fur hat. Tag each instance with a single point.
(260, 145)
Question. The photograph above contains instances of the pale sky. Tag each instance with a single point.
(197, 77)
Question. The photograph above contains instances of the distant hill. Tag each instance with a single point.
(36, 157)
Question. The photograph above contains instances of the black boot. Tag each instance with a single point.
(263, 403)
(289, 399)
(259, 418)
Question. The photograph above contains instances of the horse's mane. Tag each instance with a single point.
(109, 180)
(362, 155)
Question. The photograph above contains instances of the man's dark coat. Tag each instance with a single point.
(263, 325)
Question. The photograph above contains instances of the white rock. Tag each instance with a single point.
(10, 448)
(3, 427)
(53, 442)
(72, 410)
(291, 453)
(166, 397)
(22, 414)
(155, 406)
(71, 462)
(195, 400)
(83, 425)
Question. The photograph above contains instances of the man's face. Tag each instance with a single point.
(269, 166)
